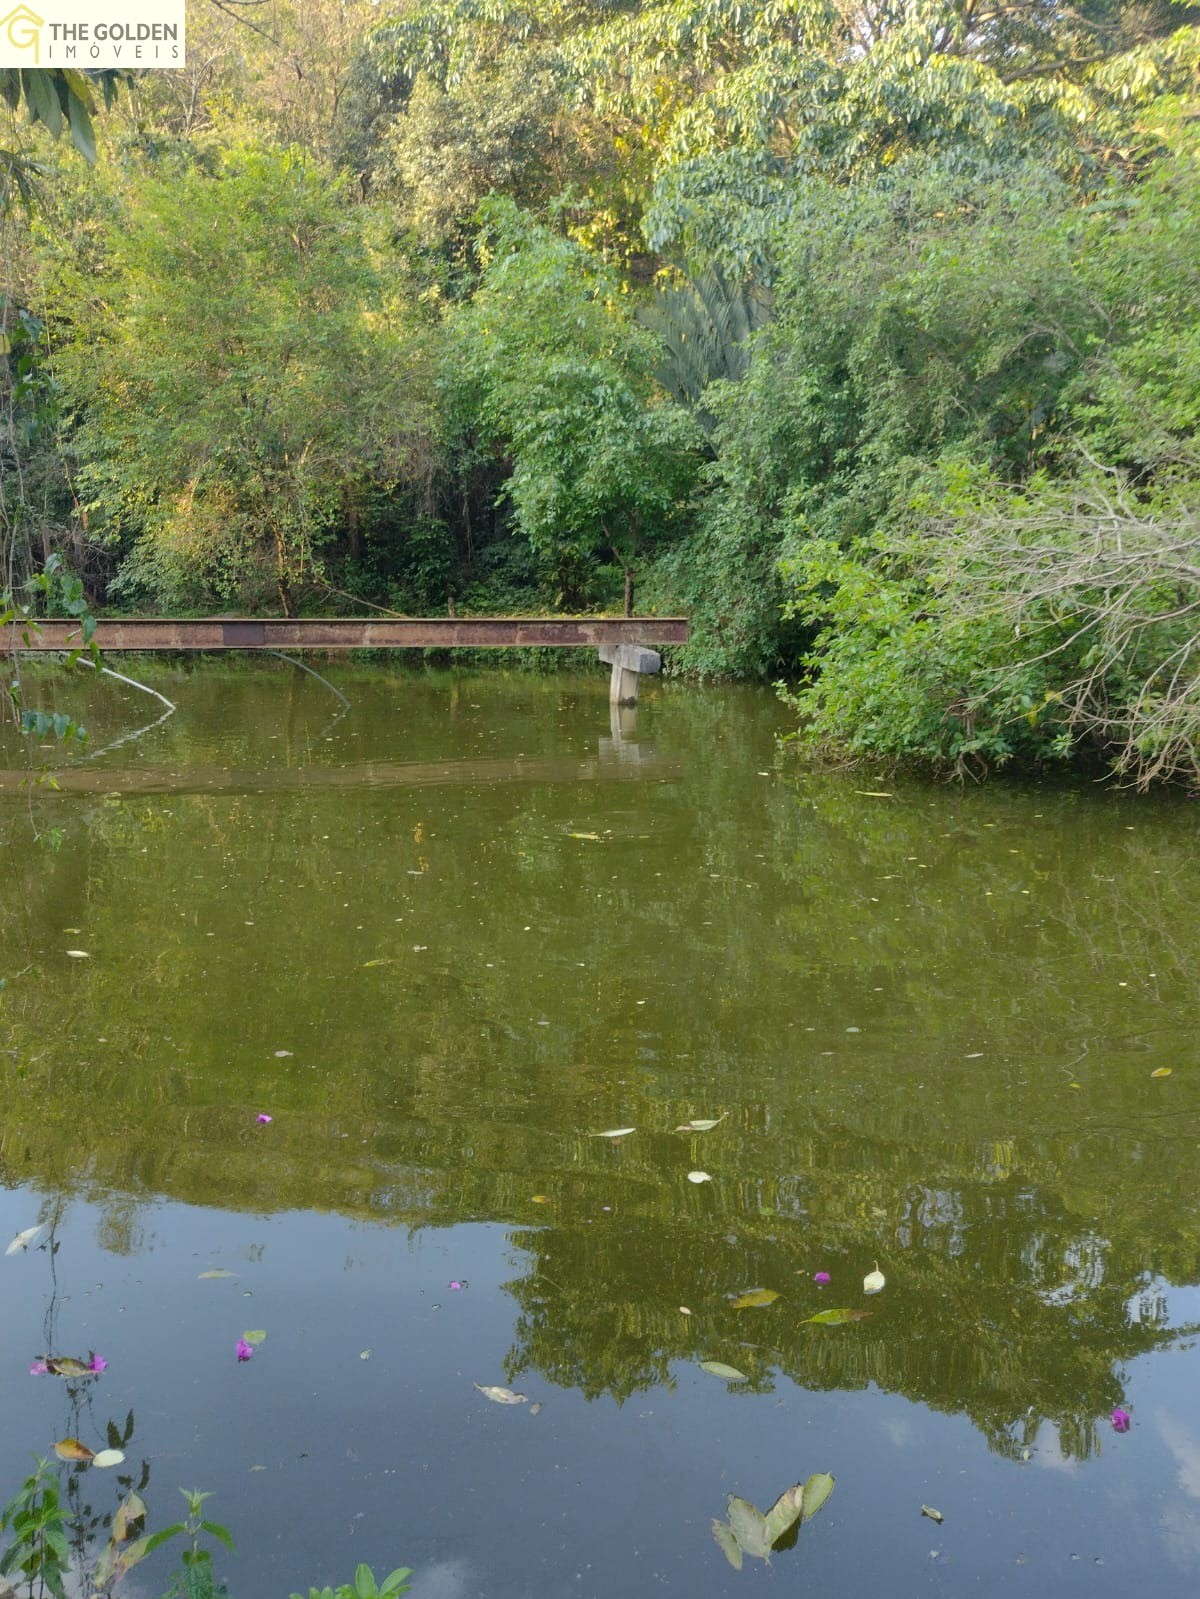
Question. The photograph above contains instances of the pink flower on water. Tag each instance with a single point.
(244, 1350)
(97, 1363)
(456, 1285)
(1120, 1420)
(820, 1278)
(262, 1118)
(39, 1369)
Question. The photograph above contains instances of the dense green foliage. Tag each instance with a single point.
(777, 310)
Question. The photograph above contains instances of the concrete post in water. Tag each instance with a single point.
(628, 662)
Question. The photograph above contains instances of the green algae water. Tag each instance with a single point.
(445, 935)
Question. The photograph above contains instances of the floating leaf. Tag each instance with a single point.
(68, 1366)
(24, 1239)
(749, 1527)
(1161, 1071)
(130, 1511)
(754, 1299)
(874, 793)
(934, 1515)
(382, 961)
(108, 1457)
(364, 1354)
(614, 1132)
(874, 1281)
(730, 1548)
(785, 1513)
(699, 1177)
(816, 1491)
(684, 1311)
(116, 1563)
(72, 1449)
(500, 1396)
(590, 838)
(699, 1126)
(255, 1336)
(718, 1368)
(834, 1318)
(79, 954)
(541, 1199)
(535, 1408)
(218, 1272)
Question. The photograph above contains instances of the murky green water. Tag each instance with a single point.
(444, 937)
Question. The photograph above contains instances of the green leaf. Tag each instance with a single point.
(835, 1318)
(157, 1539)
(718, 1368)
(816, 1491)
(222, 1534)
(749, 1527)
(255, 1336)
(83, 135)
(42, 100)
(730, 1548)
(785, 1512)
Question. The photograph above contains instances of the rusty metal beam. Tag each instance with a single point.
(345, 633)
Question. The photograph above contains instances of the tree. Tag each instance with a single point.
(234, 371)
(562, 376)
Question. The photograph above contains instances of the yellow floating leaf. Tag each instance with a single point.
(1161, 1071)
(754, 1299)
(130, 1511)
(68, 1366)
(72, 1449)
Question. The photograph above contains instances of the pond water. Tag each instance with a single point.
(443, 938)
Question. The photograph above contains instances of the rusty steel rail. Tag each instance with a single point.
(346, 633)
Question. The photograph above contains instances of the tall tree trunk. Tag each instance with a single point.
(351, 520)
(281, 575)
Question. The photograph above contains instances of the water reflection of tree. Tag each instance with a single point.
(979, 941)
(985, 1327)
